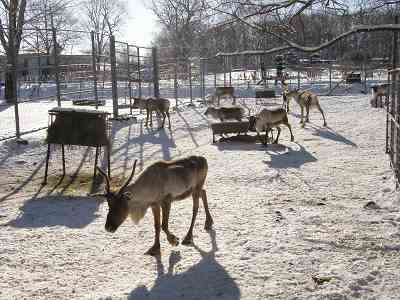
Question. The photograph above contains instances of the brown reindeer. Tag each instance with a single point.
(306, 100)
(269, 118)
(159, 105)
(157, 187)
(223, 91)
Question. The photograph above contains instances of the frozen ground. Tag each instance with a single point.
(290, 221)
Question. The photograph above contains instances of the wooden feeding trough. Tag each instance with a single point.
(264, 97)
(353, 77)
(81, 127)
(229, 127)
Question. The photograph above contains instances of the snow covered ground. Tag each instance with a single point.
(290, 220)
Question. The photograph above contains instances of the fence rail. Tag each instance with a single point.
(393, 122)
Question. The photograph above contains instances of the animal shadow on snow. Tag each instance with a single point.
(283, 157)
(329, 133)
(205, 280)
(76, 212)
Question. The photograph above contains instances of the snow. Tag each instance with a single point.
(289, 220)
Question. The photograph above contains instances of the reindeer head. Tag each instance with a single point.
(291, 94)
(208, 111)
(117, 202)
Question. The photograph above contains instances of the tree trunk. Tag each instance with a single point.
(11, 78)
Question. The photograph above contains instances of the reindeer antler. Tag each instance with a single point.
(107, 179)
(129, 179)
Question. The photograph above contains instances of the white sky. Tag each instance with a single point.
(141, 24)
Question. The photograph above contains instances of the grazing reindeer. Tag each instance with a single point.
(379, 91)
(225, 113)
(157, 187)
(285, 91)
(306, 100)
(223, 91)
(159, 105)
(269, 118)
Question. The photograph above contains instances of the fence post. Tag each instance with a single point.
(56, 65)
(113, 61)
(155, 73)
(94, 67)
(190, 82)
(224, 66)
(298, 79)
(12, 72)
(176, 81)
(128, 69)
(139, 79)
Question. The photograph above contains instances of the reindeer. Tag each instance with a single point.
(269, 118)
(159, 105)
(285, 91)
(157, 187)
(223, 91)
(379, 91)
(225, 113)
(306, 100)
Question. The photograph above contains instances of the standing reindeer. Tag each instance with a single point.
(159, 105)
(223, 91)
(157, 187)
(269, 118)
(306, 100)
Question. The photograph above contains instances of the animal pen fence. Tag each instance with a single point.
(251, 71)
(393, 122)
(46, 78)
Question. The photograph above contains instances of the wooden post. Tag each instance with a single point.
(128, 70)
(298, 79)
(155, 73)
(56, 64)
(94, 67)
(394, 45)
(139, 79)
(113, 61)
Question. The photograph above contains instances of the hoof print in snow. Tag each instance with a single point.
(371, 205)
(279, 217)
(321, 279)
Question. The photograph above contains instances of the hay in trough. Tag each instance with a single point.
(78, 127)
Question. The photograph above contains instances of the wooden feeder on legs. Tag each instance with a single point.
(80, 127)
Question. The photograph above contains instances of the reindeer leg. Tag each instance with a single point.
(290, 129)
(302, 114)
(147, 117)
(209, 220)
(189, 236)
(169, 120)
(279, 133)
(307, 113)
(322, 112)
(155, 249)
(166, 207)
(163, 121)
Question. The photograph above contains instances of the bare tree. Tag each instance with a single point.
(11, 24)
(43, 16)
(104, 17)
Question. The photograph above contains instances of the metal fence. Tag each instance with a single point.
(393, 123)
(323, 79)
(106, 79)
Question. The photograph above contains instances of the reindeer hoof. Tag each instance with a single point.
(325, 124)
(154, 251)
(187, 241)
(173, 240)
(208, 225)
(292, 139)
